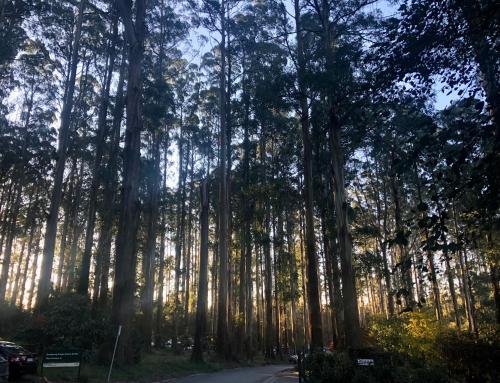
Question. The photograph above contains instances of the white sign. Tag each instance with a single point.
(366, 362)
(70, 364)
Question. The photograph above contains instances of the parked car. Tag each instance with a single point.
(4, 369)
(21, 361)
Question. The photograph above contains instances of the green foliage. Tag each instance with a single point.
(411, 333)
(475, 359)
(420, 374)
(421, 339)
(341, 367)
(11, 317)
(66, 321)
(330, 367)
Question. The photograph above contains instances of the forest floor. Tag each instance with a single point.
(157, 367)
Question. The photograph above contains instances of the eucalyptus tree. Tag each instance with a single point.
(339, 28)
(125, 258)
(44, 285)
(456, 42)
(215, 16)
(166, 30)
(26, 144)
(310, 246)
(112, 42)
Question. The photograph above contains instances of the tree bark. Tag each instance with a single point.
(150, 250)
(222, 341)
(404, 258)
(102, 133)
(201, 305)
(11, 232)
(125, 260)
(44, 284)
(310, 245)
(103, 252)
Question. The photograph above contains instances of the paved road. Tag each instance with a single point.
(264, 374)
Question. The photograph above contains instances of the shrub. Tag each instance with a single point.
(474, 359)
(432, 349)
(11, 318)
(413, 334)
(330, 367)
(66, 321)
(339, 367)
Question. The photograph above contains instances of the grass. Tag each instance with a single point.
(158, 366)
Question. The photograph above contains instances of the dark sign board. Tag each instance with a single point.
(62, 358)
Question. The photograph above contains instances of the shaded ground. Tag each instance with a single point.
(164, 366)
(264, 374)
(155, 367)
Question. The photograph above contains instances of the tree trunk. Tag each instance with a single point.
(150, 248)
(351, 321)
(26, 263)
(161, 264)
(329, 277)
(246, 282)
(464, 271)
(222, 341)
(103, 252)
(383, 247)
(432, 268)
(451, 276)
(11, 232)
(305, 311)
(34, 269)
(64, 238)
(15, 283)
(100, 141)
(293, 280)
(404, 258)
(201, 305)
(44, 284)
(310, 245)
(189, 246)
(125, 260)
(179, 240)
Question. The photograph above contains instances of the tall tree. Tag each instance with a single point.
(125, 259)
(44, 285)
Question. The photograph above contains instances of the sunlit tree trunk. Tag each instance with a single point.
(125, 260)
(150, 247)
(100, 138)
(103, 253)
(44, 284)
(310, 245)
(201, 306)
(222, 340)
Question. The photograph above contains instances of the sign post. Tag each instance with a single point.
(114, 352)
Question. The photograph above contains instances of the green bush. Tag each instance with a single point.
(470, 358)
(435, 350)
(413, 334)
(66, 321)
(11, 318)
(339, 367)
(330, 367)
